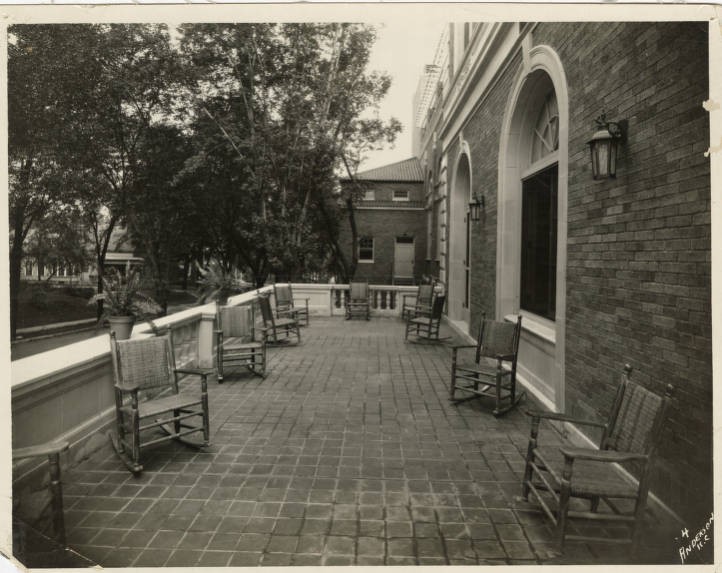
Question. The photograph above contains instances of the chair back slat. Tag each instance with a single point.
(635, 427)
(498, 338)
(146, 363)
(437, 308)
(359, 291)
(237, 321)
(425, 294)
(283, 294)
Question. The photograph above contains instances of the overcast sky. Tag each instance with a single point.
(402, 50)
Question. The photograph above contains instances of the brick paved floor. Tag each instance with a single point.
(349, 452)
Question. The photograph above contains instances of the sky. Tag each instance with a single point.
(402, 50)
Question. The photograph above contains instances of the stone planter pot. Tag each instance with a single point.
(122, 326)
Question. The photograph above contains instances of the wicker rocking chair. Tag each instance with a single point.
(421, 303)
(486, 376)
(426, 328)
(147, 396)
(357, 303)
(277, 329)
(630, 435)
(286, 304)
(235, 341)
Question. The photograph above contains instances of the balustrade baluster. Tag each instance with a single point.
(383, 299)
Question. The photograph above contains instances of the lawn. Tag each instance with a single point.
(42, 304)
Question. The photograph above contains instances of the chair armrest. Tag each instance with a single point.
(127, 387)
(40, 450)
(600, 455)
(506, 357)
(196, 371)
(563, 418)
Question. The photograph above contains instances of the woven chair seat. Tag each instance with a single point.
(589, 478)
(164, 404)
(240, 343)
(286, 322)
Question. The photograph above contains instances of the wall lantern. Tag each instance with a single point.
(475, 206)
(604, 146)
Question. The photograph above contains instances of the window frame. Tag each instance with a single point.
(360, 248)
(405, 198)
(553, 205)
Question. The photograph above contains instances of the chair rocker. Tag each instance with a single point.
(357, 303)
(492, 372)
(274, 329)
(235, 341)
(421, 303)
(286, 304)
(426, 328)
(631, 434)
(147, 396)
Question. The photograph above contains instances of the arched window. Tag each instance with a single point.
(539, 207)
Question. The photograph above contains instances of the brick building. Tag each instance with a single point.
(605, 272)
(391, 223)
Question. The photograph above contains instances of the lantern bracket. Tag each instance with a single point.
(617, 129)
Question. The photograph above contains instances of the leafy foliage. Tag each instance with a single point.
(122, 295)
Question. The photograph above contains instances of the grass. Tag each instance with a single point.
(41, 304)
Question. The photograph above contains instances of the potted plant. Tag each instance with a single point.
(215, 283)
(123, 301)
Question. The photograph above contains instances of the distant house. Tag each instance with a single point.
(391, 222)
(120, 253)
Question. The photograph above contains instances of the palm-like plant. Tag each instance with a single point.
(122, 295)
(216, 282)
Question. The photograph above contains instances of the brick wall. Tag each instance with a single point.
(384, 225)
(638, 266)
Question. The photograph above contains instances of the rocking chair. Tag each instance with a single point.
(421, 304)
(285, 304)
(277, 329)
(147, 396)
(497, 345)
(631, 434)
(427, 327)
(357, 303)
(235, 341)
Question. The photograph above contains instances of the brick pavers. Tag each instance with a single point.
(349, 452)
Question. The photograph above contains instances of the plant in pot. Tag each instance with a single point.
(216, 283)
(123, 301)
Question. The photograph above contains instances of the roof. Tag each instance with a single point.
(408, 170)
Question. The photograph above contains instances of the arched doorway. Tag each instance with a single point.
(532, 231)
(459, 243)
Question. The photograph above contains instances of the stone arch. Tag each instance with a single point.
(542, 70)
(459, 244)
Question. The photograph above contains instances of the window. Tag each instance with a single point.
(401, 194)
(369, 195)
(546, 131)
(28, 268)
(539, 243)
(366, 249)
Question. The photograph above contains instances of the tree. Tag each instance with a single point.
(134, 72)
(41, 87)
(287, 101)
(160, 210)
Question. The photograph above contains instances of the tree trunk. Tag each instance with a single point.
(16, 259)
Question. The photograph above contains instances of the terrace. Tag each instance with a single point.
(347, 453)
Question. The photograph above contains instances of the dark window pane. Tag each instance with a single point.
(539, 243)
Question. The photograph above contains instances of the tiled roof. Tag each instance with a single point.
(408, 170)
